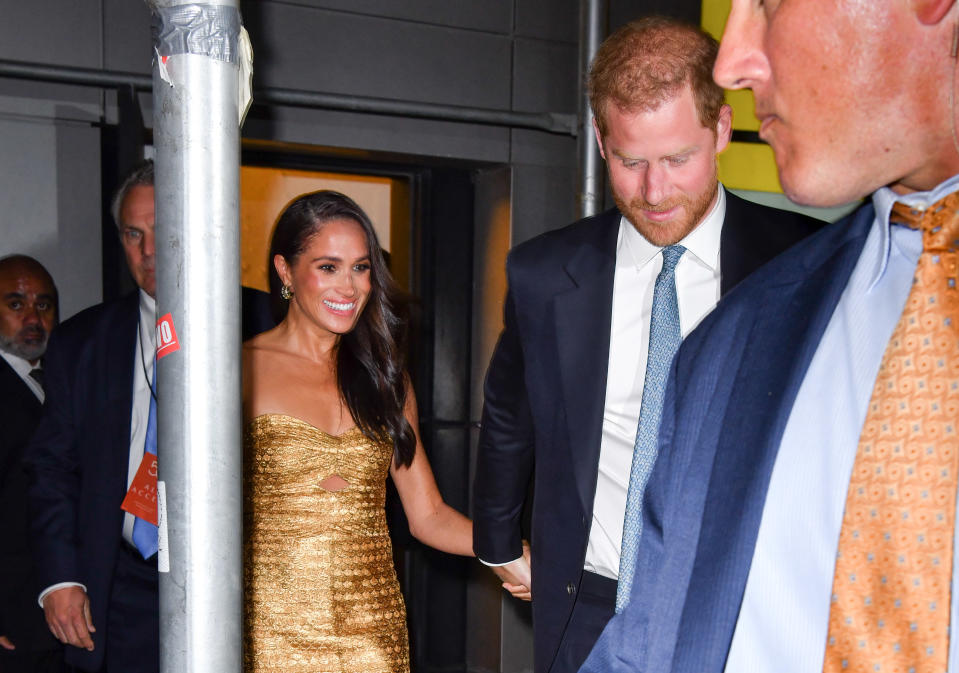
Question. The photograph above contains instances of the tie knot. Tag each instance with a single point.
(37, 375)
(671, 255)
(939, 222)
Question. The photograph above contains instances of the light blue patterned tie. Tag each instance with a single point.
(664, 339)
(144, 532)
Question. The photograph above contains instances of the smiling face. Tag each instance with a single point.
(330, 279)
(846, 92)
(28, 310)
(662, 165)
(137, 216)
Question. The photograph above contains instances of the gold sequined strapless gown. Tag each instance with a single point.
(321, 591)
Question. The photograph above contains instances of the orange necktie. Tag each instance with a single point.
(891, 597)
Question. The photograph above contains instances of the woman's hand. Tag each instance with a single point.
(517, 576)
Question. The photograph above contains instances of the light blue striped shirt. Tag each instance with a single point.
(785, 613)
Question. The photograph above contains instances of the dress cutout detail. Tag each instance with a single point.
(321, 594)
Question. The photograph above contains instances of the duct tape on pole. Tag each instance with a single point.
(198, 63)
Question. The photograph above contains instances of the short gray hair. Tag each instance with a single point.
(141, 175)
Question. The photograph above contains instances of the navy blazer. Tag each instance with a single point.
(732, 388)
(78, 458)
(545, 392)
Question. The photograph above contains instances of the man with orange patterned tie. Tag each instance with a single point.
(802, 514)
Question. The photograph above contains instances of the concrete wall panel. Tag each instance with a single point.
(51, 204)
(382, 133)
(544, 198)
(302, 48)
(51, 31)
(548, 19)
(127, 44)
(544, 76)
(493, 16)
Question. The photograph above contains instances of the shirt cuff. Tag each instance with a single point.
(497, 565)
(60, 585)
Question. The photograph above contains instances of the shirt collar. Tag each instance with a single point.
(883, 200)
(148, 311)
(148, 304)
(702, 242)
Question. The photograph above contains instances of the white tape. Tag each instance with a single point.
(163, 542)
(245, 94)
(161, 67)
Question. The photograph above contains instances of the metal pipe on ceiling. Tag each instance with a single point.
(551, 122)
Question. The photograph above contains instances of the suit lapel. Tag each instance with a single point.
(117, 358)
(752, 235)
(583, 318)
(779, 348)
(19, 413)
(734, 251)
(16, 389)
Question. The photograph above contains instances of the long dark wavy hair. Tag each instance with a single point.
(370, 359)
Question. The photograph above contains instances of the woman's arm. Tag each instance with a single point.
(431, 520)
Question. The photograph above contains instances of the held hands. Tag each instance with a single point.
(517, 576)
(67, 612)
(6, 644)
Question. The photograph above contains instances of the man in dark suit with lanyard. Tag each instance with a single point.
(28, 312)
(100, 592)
(593, 315)
(98, 572)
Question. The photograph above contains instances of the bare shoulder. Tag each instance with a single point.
(278, 379)
(264, 341)
(263, 362)
(265, 350)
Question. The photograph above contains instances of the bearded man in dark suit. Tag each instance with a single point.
(568, 384)
(28, 312)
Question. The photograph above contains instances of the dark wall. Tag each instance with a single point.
(623, 11)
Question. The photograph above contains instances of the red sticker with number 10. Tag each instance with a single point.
(166, 336)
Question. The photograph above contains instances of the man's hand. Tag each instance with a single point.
(67, 612)
(517, 576)
(6, 644)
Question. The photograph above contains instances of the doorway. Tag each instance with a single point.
(427, 212)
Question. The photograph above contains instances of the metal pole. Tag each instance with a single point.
(196, 135)
(551, 122)
(593, 20)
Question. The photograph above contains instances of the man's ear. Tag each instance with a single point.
(724, 127)
(931, 12)
(599, 139)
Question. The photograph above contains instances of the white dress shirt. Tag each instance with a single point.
(142, 378)
(784, 617)
(23, 368)
(638, 262)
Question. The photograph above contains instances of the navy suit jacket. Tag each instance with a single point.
(732, 388)
(77, 460)
(545, 392)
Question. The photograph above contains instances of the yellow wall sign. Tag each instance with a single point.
(744, 165)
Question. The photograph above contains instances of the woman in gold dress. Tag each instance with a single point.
(329, 413)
